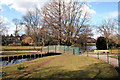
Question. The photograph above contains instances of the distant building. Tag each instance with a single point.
(12, 39)
(91, 40)
(27, 39)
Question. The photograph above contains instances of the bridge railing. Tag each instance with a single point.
(60, 49)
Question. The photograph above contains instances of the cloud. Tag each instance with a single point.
(23, 5)
(98, 0)
(6, 25)
(96, 33)
(86, 9)
(113, 14)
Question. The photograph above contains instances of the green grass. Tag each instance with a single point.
(61, 66)
(20, 48)
(21, 67)
(7, 54)
(91, 43)
(116, 57)
(113, 51)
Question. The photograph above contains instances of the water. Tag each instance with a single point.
(14, 61)
(89, 48)
(92, 47)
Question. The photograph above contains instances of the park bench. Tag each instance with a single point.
(101, 51)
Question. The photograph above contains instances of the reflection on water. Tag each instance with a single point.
(88, 48)
(14, 61)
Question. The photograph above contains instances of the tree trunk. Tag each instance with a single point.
(59, 35)
(43, 41)
(85, 46)
(34, 44)
(107, 43)
(107, 46)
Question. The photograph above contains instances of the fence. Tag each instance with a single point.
(113, 57)
(60, 49)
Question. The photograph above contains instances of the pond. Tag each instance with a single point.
(89, 48)
(15, 61)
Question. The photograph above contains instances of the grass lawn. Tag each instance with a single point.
(114, 51)
(6, 54)
(61, 66)
(19, 48)
(91, 43)
(116, 57)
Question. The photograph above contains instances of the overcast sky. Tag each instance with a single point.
(99, 9)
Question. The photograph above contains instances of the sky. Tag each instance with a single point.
(99, 10)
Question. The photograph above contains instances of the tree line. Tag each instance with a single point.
(62, 23)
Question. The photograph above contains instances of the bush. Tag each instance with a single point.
(118, 45)
(51, 42)
(20, 67)
(3, 43)
(101, 43)
(24, 44)
(112, 44)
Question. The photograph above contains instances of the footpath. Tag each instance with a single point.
(112, 61)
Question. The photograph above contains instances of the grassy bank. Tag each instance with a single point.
(20, 48)
(61, 66)
(112, 51)
(116, 57)
(7, 54)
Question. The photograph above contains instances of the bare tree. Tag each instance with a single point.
(64, 19)
(3, 28)
(17, 26)
(32, 22)
(52, 18)
(86, 33)
(107, 29)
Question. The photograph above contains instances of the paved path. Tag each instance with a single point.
(112, 61)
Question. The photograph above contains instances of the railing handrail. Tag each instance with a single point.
(61, 49)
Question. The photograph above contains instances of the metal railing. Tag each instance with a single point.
(60, 49)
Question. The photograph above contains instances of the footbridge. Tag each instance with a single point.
(59, 49)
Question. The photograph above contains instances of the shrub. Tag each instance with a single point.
(101, 43)
(3, 43)
(112, 44)
(20, 67)
(118, 45)
(51, 42)
(24, 44)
